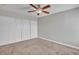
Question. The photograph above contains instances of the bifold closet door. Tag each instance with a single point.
(25, 29)
(4, 30)
(14, 30)
(10, 30)
(33, 26)
(29, 29)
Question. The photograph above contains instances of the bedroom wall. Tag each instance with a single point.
(16, 27)
(61, 27)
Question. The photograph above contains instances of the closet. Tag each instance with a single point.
(14, 29)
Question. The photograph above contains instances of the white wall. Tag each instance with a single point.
(61, 27)
(14, 29)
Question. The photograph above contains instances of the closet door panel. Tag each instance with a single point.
(9, 30)
(4, 31)
(15, 30)
(33, 28)
(25, 29)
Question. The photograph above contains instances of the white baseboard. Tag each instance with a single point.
(8, 43)
(13, 42)
(48, 40)
(60, 43)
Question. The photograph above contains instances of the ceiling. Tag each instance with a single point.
(23, 8)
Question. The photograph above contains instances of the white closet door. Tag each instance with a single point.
(14, 30)
(4, 30)
(33, 28)
(25, 29)
(9, 30)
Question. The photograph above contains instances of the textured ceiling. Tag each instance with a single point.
(23, 8)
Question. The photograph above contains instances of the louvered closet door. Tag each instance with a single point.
(25, 27)
(14, 30)
(33, 28)
(4, 30)
(9, 30)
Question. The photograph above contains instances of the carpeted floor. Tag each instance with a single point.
(37, 47)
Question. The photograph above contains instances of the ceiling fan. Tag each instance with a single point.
(39, 9)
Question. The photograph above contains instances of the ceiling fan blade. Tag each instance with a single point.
(45, 7)
(45, 12)
(33, 6)
(32, 11)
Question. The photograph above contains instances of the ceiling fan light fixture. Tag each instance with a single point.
(39, 11)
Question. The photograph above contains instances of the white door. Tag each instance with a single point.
(25, 27)
(33, 27)
(14, 30)
(10, 30)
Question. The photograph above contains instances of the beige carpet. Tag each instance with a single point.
(37, 47)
